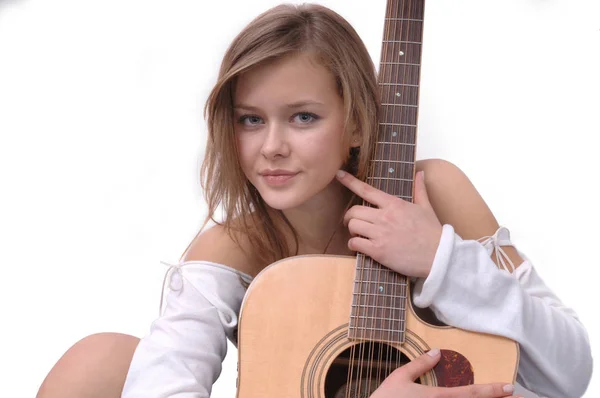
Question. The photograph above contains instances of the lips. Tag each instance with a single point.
(276, 173)
(277, 177)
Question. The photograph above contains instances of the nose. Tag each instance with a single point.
(275, 143)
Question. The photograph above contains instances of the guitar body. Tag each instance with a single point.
(293, 338)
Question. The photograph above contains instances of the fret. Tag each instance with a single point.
(373, 286)
(390, 161)
(377, 329)
(392, 186)
(387, 179)
(397, 72)
(362, 260)
(379, 295)
(402, 41)
(398, 124)
(376, 319)
(398, 84)
(368, 270)
(379, 307)
(393, 143)
(382, 272)
(390, 178)
(410, 106)
(373, 306)
(401, 31)
(382, 296)
(398, 63)
(379, 283)
(400, 170)
(393, 133)
(404, 197)
(391, 94)
(404, 19)
(401, 52)
(402, 114)
(367, 263)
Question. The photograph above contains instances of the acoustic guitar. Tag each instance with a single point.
(337, 326)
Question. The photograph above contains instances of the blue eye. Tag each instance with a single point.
(249, 120)
(305, 117)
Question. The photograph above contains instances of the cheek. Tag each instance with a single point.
(330, 145)
(326, 152)
(245, 151)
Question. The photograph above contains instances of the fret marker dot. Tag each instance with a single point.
(394, 133)
(398, 95)
(401, 53)
(391, 170)
(380, 289)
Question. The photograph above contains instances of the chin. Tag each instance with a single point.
(279, 202)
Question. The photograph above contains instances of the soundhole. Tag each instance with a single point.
(360, 369)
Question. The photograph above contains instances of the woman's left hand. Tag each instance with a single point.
(401, 235)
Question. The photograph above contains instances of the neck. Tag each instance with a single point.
(318, 223)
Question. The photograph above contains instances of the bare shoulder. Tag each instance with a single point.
(455, 199)
(216, 245)
(457, 202)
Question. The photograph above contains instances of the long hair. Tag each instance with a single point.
(281, 31)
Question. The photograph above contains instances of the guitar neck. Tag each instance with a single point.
(380, 296)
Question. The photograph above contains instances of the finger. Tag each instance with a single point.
(496, 390)
(364, 213)
(362, 228)
(361, 245)
(420, 189)
(421, 195)
(364, 190)
(420, 365)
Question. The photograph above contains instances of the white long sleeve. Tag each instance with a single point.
(465, 289)
(182, 355)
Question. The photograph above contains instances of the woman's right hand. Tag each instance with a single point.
(401, 383)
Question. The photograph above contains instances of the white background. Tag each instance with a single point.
(101, 134)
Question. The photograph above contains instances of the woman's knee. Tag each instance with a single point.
(95, 366)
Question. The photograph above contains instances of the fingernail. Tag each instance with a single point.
(434, 352)
(509, 388)
(341, 173)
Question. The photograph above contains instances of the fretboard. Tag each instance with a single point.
(380, 295)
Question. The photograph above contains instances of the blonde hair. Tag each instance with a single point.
(282, 31)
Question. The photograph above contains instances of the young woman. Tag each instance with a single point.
(292, 121)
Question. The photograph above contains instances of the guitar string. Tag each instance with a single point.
(393, 28)
(396, 78)
(399, 6)
(389, 99)
(362, 362)
(376, 183)
(407, 78)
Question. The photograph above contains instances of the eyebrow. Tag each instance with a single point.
(294, 105)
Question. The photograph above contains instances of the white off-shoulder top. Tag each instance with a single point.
(182, 354)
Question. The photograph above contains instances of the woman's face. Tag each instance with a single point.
(289, 124)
